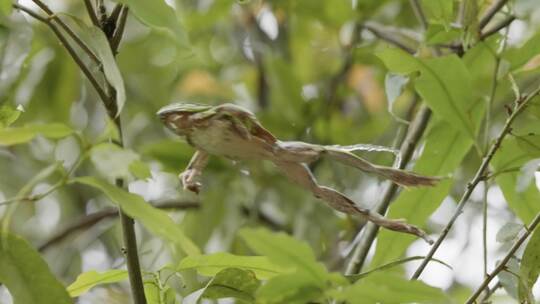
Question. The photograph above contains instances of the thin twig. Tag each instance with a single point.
(507, 257)
(499, 26)
(382, 34)
(490, 292)
(520, 105)
(408, 146)
(414, 133)
(417, 9)
(117, 37)
(68, 47)
(69, 31)
(490, 12)
(91, 12)
(90, 220)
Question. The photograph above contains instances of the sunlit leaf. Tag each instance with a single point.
(160, 16)
(393, 85)
(98, 42)
(444, 83)
(112, 161)
(5, 7)
(389, 288)
(15, 41)
(508, 232)
(444, 150)
(19, 135)
(530, 268)
(233, 283)
(530, 144)
(140, 169)
(509, 279)
(507, 163)
(8, 115)
(211, 264)
(26, 275)
(285, 251)
(439, 11)
(87, 280)
(289, 288)
(155, 220)
(521, 55)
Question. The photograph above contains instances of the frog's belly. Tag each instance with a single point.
(221, 140)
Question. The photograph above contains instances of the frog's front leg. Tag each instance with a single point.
(300, 174)
(190, 176)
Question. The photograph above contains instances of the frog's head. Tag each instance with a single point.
(177, 116)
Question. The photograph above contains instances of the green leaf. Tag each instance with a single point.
(508, 232)
(101, 46)
(87, 280)
(289, 288)
(158, 295)
(160, 16)
(140, 169)
(439, 11)
(393, 86)
(444, 150)
(8, 115)
(530, 268)
(5, 7)
(26, 275)
(285, 251)
(530, 144)
(13, 136)
(112, 161)
(210, 265)
(389, 289)
(233, 283)
(520, 56)
(155, 220)
(507, 162)
(444, 83)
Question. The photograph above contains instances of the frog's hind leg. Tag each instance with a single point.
(300, 174)
(301, 152)
(400, 177)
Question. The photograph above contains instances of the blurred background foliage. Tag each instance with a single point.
(311, 71)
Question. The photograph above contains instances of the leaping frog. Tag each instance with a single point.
(233, 132)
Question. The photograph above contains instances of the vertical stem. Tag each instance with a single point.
(484, 226)
(132, 256)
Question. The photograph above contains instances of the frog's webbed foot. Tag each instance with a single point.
(189, 178)
(301, 175)
(400, 177)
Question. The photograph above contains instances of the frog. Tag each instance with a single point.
(233, 132)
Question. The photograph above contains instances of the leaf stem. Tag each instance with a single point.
(520, 105)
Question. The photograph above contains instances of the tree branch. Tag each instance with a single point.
(490, 12)
(90, 220)
(68, 30)
(91, 12)
(68, 47)
(520, 105)
(408, 146)
(507, 257)
(117, 37)
(382, 34)
(417, 9)
(499, 26)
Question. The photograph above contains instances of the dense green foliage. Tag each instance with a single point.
(329, 72)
